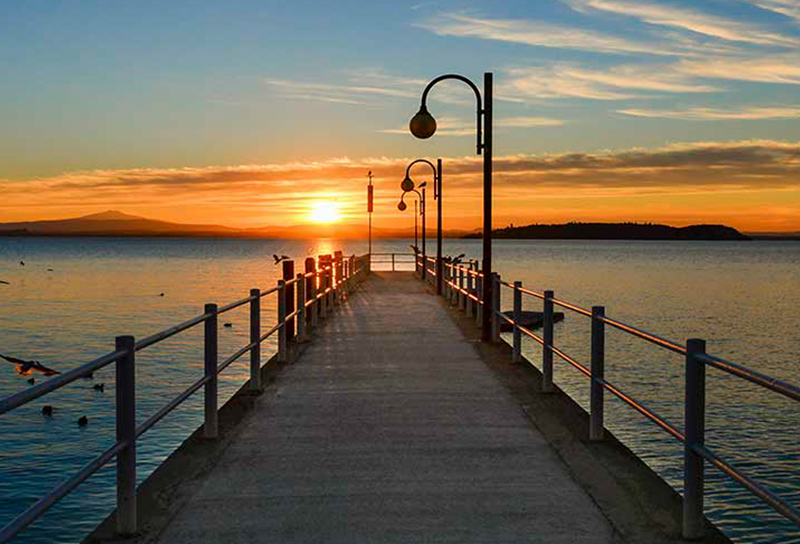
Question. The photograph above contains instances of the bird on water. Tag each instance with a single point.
(26, 368)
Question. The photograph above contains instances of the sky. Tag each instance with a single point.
(251, 113)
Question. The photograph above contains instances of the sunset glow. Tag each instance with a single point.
(324, 212)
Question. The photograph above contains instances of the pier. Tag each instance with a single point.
(384, 418)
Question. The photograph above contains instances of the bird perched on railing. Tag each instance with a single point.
(279, 259)
(26, 368)
(454, 260)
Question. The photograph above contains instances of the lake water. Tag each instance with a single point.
(743, 298)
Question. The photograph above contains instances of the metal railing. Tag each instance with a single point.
(314, 292)
(394, 262)
(464, 291)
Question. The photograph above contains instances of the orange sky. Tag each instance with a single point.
(752, 185)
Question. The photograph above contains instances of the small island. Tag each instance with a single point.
(616, 231)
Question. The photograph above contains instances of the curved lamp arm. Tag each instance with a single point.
(423, 102)
(435, 174)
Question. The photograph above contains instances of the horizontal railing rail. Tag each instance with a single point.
(393, 259)
(314, 292)
(465, 293)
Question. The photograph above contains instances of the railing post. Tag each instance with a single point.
(126, 432)
(695, 428)
(517, 352)
(255, 336)
(211, 429)
(311, 293)
(469, 291)
(596, 424)
(282, 355)
(462, 299)
(325, 282)
(547, 336)
(495, 307)
(288, 276)
(301, 308)
(338, 280)
(415, 266)
(479, 294)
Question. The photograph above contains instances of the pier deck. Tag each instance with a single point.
(389, 428)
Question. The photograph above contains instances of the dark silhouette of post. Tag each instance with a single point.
(288, 276)
(311, 292)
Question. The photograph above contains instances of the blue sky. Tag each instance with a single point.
(97, 85)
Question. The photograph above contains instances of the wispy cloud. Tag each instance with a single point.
(692, 20)
(616, 83)
(711, 114)
(784, 68)
(789, 8)
(541, 34)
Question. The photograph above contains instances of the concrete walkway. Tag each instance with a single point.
(389, 428)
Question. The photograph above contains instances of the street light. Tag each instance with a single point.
(408, 187)
(437, 196)
(423, 126)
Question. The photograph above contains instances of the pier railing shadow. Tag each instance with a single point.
(463, 290)
(303, 299)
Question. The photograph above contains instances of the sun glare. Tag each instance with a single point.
(324, 212)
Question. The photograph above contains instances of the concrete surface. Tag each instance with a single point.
(389, 428)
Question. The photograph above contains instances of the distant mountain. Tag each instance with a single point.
(617, 231)
(115, 223)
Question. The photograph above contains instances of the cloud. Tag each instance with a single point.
(692, 20)
(614, 83)
(711, 114)
(783, 68)
(789, 8)
(541, 34)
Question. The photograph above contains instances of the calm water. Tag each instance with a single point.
(744, 298)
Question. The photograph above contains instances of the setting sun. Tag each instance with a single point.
(324, 212)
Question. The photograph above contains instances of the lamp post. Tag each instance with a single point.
(437, 196)
(369, 212)
(423, 126)
(408, 187)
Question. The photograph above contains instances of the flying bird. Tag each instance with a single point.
(99, 387)
(279, 259)
(26, 368)
(22, 263)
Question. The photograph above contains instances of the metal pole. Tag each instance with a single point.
(598, 373)
(211, 428)
(126, 432)
(487, 205)
(282, 356)
(255, 335)
(424, 253)
(439, 278)
(301, 307)
(462, 299)
(469, 306)
(311, 292)
(479, 313)
(495, 307)
(416, 236)
(288, 275)
(337, 271)
(547, 336)
(694, 425)
(517, 353)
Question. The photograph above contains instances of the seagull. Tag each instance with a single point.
(22, 263)
(83, 421)
(99, 387)
(457, 260)
(49, 269)
(26, 368)
(279, 259)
